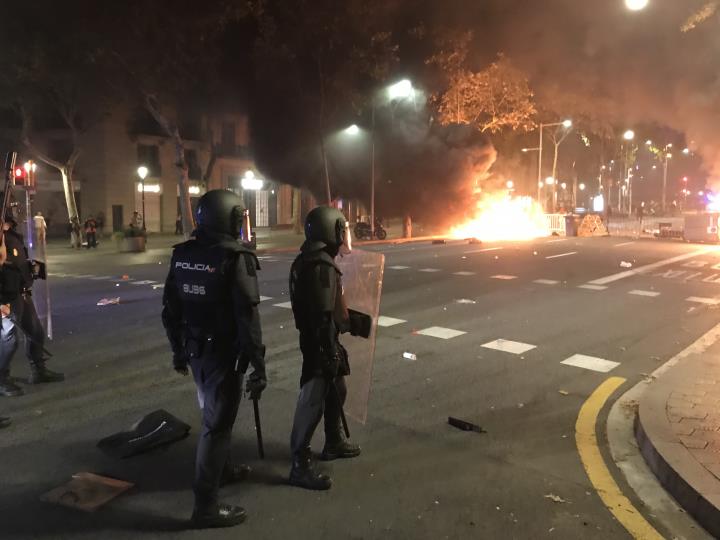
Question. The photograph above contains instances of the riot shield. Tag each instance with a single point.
(35, 241)
(362, 285)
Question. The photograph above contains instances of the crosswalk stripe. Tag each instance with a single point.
(592, 287)
(440, 332)
(590, 362)
(284, 305)
(464, 273)
(386, 322)
(501, 276)
(700, 300)
(429, 270)
(513, 347)
(638, 292)
(546, 281)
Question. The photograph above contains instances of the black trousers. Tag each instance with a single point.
(91, 239)
(219, 389)
(23, 313)
(317, 398)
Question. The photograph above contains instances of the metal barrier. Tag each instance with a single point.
(556, 223)
(647, 227)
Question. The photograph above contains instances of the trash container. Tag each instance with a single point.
(571, 225)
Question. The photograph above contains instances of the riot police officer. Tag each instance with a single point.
(21, 271)
(321, 315)
(211, 318)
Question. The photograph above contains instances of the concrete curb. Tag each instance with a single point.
(692, 486)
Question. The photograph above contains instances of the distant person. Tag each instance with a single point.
(74, 230)
(91, 232)
(40, 227)
(178, 225)
(137, 220)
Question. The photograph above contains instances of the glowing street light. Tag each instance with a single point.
(352, 130)
(401, 90)
(636, 5)
(549, 181)
(142, 172)
(510, 184)
(629, 135)
(582, 187)
(686, 151)
(648, 143)
(563, 185)
(567, 124)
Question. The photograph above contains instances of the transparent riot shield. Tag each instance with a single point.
(362, 284)
(36, 244)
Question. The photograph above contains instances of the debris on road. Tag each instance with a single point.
(438, 242)
(108, 301)
(521, 405)
(87, 491)
(465, 426)
(409, 356)
(563, 392)
(159, 428)
(465, 301)
(625, 264)
(555, 498)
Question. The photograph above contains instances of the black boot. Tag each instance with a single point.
(339, 448)
(40, 374)
(233, 473)
(305, 476)
(218, 516)
(8, 388)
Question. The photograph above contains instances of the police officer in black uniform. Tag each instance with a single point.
(211, 318)
(22, 313)
(321, 315)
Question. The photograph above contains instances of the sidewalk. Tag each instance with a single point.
(678, 431)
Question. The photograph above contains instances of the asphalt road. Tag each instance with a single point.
(417, 477)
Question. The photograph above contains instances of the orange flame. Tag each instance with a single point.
(501, 217)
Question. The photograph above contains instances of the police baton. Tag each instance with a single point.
(258, 428)
(340, 408)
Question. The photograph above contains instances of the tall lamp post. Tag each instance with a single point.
(628, 136)
(567, 124)
(142, 173)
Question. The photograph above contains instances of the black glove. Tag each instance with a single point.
(180, 364)
(254, 386)
(360, 324)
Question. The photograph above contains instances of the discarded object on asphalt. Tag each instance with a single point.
(108, 301)
(465, 426)
(465, 301)
(159, 428)
(563, 392)
(625, 264)
(86, 491)
(409, 356)
(555, 498)
(4, 422)
(440, 241)
(474, 241)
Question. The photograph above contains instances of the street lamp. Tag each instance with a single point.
(629, 135)
(686, 151)
(142, 172)
(352, 130)
(401, 90)
(582, 187)
(636, 5)
(549, 181)
(510, 184)
(567, 124)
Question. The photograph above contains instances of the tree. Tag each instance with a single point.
(311, 79)
(51, 77)
(168, 54)
(491, 100)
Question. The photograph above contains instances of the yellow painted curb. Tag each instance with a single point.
(597, 471)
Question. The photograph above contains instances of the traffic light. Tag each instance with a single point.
(20, 175)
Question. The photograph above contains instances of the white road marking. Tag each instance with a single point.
(562, 255)
(692, 276)
(265, 298)
(695, 264)
(513, 347)
(700, 300)
(398, 267)
(638, 292)
(482, 250)
(592, 287)
(546, 281)
(590, 362)
(284, 305)
(641, 269)
(623, 244)
(389, 321)
(158, 286)
(464, 273)
(99, 278)
(501, 276)
(440, 332)
(144, 282)
(84, 276)
(555, 241)
(712, 279)
(429, 270)
(671, 274)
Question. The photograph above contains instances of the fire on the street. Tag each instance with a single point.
(501, 217)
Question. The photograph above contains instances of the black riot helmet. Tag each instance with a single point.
(327, 227)
(220, 211)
